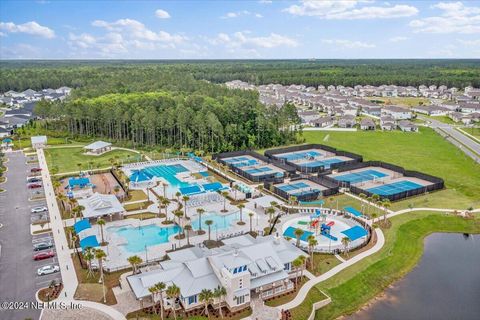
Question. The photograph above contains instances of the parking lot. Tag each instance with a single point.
(18, 270)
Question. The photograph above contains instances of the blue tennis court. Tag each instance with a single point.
(362, 176)
(355, 233)
(247, 163)
(290, 233)
(300, 155)
(319, 163)
(258, 170)
(294, 186)
(394, 188)
(305, 192)
(237, 159)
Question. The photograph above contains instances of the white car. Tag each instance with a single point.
(39, 209)
(48, 270)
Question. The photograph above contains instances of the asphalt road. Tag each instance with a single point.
(18, 279)
(455, 134)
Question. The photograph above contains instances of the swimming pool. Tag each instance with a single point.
(139, 237)
(220, 222)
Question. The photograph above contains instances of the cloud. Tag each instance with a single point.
(237, 14)
(348, 44)
(455, 17)
(265, 1)
(162, 14)
(136, 30)
(349, 10)
(470, 43)
(398, 39)
(32, 28)
(245, 41)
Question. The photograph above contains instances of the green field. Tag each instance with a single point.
(67, 159)
(424, 151)
(361, 282)
(402, 101)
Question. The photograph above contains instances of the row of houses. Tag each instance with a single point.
(18, 99)
(386, 123)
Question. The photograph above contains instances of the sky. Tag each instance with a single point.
(255, 29)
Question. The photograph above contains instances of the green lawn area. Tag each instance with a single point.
(403, 248)
(474, 131)
(424, 151)
(66, 159)
(443, 119)
(404, 101)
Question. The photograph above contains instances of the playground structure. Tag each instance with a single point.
(325, 228)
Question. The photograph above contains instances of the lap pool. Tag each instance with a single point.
(139, 237)
(220, 222)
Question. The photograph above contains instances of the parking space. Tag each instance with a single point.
(42, 281)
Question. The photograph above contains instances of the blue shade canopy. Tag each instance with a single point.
(355, 233)
(81, 225)
(89, 242)
(353, 211)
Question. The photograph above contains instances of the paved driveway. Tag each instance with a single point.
(18, 280)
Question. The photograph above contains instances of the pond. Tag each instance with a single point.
(444, 285)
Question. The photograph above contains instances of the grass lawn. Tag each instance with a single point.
(142, 216)
(322, 263)
(66, 159)
(137, 205)
(474, 131)
(424, 151)
(403, 248)
(402, 101)
(136, 195)
(443, 119)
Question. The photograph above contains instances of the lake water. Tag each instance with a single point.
(445, 285)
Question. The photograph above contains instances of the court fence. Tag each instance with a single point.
(272, 177)
(355, 158)
(436, 183)
(309, 195)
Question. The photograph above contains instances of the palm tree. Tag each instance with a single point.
(363, 196)
(179, 215)
(241, 206)
(345, 242)
(200, 211)
(250, 215)
(209, 224)
(185, 199)
(100, 255)
(270, 212)
(304, 262)
(165, 202)
(135, 261)
(88, 256)
(101, 223)
(206, 296)
(312, 243)
(164, 185)
(298, 233)
(369, 199)
(385, 204)
(296, 264)
(79, 165)
(161, 287)
(153, 291)
(173, 292)
(188, 228)
(177, 195)
(219, 293)
(224, 194)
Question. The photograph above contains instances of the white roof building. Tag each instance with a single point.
(98, 147)
(101, 204)
(242, 265)
(39, 141)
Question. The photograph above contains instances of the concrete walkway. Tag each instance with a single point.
(69, 277)
(307, 286)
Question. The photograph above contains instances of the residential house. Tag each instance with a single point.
(432, 110)
(324, 122)
(398, 113)
(387, 123)
(347, 121)
(308, 116)
(367, 124)
(407, 126)
(372, 110)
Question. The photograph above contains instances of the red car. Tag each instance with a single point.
(35, 169)
(34, 186)
(44, 255)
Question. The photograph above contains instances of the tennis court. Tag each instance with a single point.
(362, 176)
(394, 188)
(299, 155)
(247, 163)
(294, 186)
(258, 170)
(319, 163)
(237, 159)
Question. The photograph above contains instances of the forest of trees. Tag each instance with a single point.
(218, 121)
(132, 76)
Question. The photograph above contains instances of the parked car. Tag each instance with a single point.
(42, 246)
(39, 209)
(48, 270)
(35, 169)
(29, 179)
(34, 186)
(44, 255)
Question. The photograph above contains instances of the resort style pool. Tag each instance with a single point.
(139, 237)
(220, 222)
